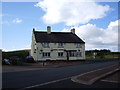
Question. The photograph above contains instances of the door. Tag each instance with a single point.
(67, 55)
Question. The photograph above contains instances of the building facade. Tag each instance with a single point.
(57, 45)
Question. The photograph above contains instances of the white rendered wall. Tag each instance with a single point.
(54, 49)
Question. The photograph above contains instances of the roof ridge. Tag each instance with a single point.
(53, 32)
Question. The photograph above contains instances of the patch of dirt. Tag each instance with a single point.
(115, 77)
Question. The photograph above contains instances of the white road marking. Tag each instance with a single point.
(38, 85)
(110, 81)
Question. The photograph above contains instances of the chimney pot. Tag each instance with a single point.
(73, 30)
(33, 29)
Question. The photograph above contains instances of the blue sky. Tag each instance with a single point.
(19, 18)
(111, 15)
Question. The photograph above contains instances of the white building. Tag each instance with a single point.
(57, 45)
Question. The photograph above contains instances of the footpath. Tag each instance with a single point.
(38, 66)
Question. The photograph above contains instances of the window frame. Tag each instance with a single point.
(60, 54)
(79, 54)
(78, 45)
(46, 54)
(45, 45)
(72, 53)
(60, 45)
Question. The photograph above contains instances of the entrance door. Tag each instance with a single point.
(67, 55)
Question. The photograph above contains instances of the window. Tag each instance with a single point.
(46, 54)
(78, 45)
(79, 54)
(60, 45)
(46, 45)
(72, 53)
(60, 54)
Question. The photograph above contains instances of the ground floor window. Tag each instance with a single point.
(78, 54)
(72, 53)
(60, 54)
(46, 54)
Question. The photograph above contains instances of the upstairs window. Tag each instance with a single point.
(78, 45)
(46, 45)
(60, 45)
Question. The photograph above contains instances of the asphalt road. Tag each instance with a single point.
(69, 84)
(46, 77)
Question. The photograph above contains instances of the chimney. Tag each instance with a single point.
(33, 29)
(73, 30)
(48, 29)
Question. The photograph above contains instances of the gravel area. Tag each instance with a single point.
(115, 77)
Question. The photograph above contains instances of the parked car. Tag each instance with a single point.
(15, 60)
(29, 59)
(6, 61)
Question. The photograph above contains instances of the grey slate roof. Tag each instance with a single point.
(57, 37)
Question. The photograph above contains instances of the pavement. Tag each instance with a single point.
(92, 76)
(38, 66)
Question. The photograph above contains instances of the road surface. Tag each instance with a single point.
(47, 77)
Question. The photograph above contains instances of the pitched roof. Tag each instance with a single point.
(57, 37)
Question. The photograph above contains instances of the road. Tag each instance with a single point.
(46, 77)
(69, 84)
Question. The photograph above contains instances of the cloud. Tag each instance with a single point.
(71, 12)
(99, 38)
(17, 20)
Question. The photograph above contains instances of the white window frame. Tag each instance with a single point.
(79, 54)
(46, 54)
(78, 45)
(45, 45)
(72, 53)
(60, 44)
(60, 54)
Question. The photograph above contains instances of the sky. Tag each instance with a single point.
(94, 22)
